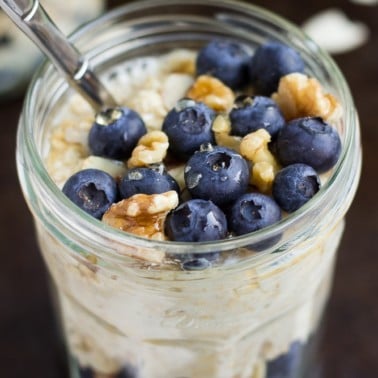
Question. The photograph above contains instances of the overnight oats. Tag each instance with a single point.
(192, 231)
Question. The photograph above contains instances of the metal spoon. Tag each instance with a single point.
(33, 20)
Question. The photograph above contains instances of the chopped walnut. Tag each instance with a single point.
(142, 214)
(262, 176)
(254, 147)
(178, 173)
(221, 124)
(222, 129)
(259, 370)
(180, 61)
(152, 148)
(212, 92)
(301, 96)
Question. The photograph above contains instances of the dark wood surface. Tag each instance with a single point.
(28, 343)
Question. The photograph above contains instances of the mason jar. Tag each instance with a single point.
(251, 313)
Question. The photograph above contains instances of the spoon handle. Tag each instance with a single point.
(33, 20)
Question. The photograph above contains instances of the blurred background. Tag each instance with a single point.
(349, 30)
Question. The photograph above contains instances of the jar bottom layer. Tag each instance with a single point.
(249, 357)
(114, 330)
(300, 361)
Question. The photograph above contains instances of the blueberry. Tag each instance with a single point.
(252, 212)
(270, 62)
(294, 185)
(287, 365)
(147, 180)
(227, 61)
(252, 113)
(195, 221)
(126, 372)
(218, 174)
(5, 40)
(197, 261)
(94, 191)
(86, 372)
(311, 141)
(115, 133)
(188, 125)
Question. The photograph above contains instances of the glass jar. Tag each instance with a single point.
(251, 314)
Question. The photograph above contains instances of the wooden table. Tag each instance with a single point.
(28, 346)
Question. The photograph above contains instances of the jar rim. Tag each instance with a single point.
(92, 226)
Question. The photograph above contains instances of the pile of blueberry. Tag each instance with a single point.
(219, 201)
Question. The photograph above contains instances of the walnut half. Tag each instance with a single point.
(152, 148)
(254, 147)
(142, 214)
(301, 96)
(212, 92)
(222, 133)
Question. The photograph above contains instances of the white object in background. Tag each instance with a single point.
(19, 56)
(333, 31)
(365, 2)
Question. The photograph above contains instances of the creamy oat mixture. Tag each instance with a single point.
(178, 326)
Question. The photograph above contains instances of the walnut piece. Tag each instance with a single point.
(212, 92)
(221, 124)
(178, 173)
(301, 96)
(142, 214)
(152, 148)
(222, 129)
(262, 176)
(180, 61)
(254, 147)
(259, 370)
